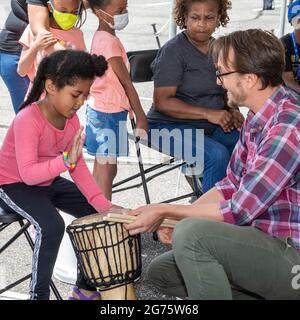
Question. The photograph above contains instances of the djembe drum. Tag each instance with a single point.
(108, 257)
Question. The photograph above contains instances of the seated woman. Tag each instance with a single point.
(187, 96)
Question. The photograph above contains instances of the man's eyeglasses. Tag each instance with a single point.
(220, 75)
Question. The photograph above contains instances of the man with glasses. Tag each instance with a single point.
(241, 239)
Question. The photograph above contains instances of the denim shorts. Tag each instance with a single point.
(106, 133)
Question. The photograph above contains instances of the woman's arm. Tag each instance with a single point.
(165, 101)
(38, 17)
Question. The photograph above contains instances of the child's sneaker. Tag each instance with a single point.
(78, 294)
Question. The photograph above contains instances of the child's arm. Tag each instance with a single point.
(121, 71)
(89, 187)
(27, 135)
(81, 174)
(28, 55)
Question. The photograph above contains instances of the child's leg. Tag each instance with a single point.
(33, 203)
(105, 171)
(106, 139)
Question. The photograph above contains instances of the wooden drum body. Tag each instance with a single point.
(108, 257)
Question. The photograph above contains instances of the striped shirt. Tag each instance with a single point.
(262, 186)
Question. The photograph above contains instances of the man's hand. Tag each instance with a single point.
(149, 218)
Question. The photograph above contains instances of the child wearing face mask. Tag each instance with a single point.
(291, 42)
(64, 15)
(112, 96)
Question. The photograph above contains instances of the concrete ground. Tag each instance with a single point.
(138, 35)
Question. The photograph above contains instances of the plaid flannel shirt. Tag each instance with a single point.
(262, 186)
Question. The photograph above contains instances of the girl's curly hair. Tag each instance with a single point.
(182, 7)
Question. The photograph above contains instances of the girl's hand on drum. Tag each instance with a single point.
(118, 209)
(165, 235)
(76, 149)
(149, 219)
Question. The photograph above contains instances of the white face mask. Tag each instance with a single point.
(120, 20)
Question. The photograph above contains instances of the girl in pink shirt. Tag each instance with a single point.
(62, 30)
(111, 96)
(45, 140)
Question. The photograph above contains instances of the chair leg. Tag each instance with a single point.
(142, 171)
(141, 166)
(137, 185)
(146, 171)
(14, 284)
(55, 291)
(15, 237)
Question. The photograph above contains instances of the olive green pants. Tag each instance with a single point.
(216, 260)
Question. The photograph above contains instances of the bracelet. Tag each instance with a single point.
(70, 166)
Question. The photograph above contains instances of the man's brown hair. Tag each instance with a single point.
(255, 51)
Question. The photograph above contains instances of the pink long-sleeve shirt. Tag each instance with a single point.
(32, 153)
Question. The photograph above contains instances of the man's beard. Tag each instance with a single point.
(236, 99)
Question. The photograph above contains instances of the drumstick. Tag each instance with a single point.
(122, 218)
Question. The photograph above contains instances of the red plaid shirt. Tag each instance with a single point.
(262, 186)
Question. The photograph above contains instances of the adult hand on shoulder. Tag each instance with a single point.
(149, 218)
(221, 117)
(76, 149)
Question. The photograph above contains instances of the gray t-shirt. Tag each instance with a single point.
(179, 64)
